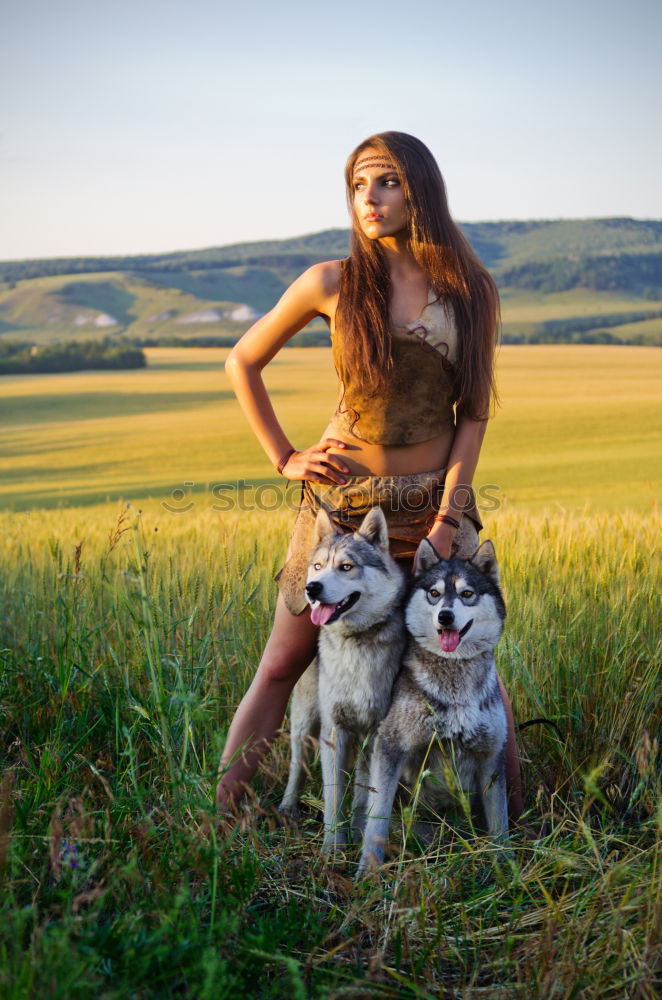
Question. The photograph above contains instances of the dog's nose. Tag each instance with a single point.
(445, 617)
(314, 590)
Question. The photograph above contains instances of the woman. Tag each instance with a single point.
(414, 322)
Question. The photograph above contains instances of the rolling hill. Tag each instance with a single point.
(584, 280)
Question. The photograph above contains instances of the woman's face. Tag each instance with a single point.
(379, 201)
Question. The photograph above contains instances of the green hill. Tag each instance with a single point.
(560, 280)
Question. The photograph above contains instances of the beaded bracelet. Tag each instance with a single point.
(447, 519)
(284, 460)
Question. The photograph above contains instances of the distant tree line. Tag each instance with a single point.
(589, 337)
(579, 324)
(173, 341)
(299, 252)
(308, 338)
(86, 355)
(586, 330)
(640, 272)
(24, 359)
(22, 270)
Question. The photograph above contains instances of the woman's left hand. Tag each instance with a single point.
(442, 537)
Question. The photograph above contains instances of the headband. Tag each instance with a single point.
(374, 161)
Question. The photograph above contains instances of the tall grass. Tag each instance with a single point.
(127, 640)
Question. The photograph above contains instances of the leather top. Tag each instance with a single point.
(417, 403)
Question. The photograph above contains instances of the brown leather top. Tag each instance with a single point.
(417, 404)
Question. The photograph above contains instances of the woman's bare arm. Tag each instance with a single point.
(312, 294)
(460, 471)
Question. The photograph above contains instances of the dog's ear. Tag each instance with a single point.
(426, 557)
(484, 559)
(375, 529)
(323, 526)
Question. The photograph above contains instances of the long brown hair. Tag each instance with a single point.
(446, 258)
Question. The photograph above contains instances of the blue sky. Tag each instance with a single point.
(144, 126)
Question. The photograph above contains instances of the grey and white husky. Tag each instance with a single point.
(356, 590)
(447, 709)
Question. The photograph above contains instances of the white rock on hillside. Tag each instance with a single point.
(101, 319)
(202, 316)
(244, 313)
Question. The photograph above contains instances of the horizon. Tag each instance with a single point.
(316, 232)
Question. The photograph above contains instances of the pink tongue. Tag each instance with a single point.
(449, 639)
(321, 613)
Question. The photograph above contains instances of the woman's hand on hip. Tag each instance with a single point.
(316, 464)
(442, 537)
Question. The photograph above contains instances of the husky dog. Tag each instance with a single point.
(446, 701)
(355, 589)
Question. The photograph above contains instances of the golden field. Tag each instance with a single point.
(579, 426)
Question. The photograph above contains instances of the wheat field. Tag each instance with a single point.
(578, 425)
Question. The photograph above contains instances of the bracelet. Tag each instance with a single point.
(284, 460)
(447, 519)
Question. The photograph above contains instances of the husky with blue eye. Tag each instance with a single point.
(447, 708)
(356, 591)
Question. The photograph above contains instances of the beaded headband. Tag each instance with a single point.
(374, 161)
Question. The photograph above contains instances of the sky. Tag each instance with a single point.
(143, 126)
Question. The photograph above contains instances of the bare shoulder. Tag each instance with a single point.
(329, 272)
(314, 293)
(323, 281)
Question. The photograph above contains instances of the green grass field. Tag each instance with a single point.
(127, 640)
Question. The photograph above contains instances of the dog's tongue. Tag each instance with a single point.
(448, 639)
(320, 614)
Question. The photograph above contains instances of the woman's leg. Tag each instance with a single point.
(513, 775)
(291, 646)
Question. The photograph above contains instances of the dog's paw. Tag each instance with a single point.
(289, 811)
(334, 841)
(372, 858)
